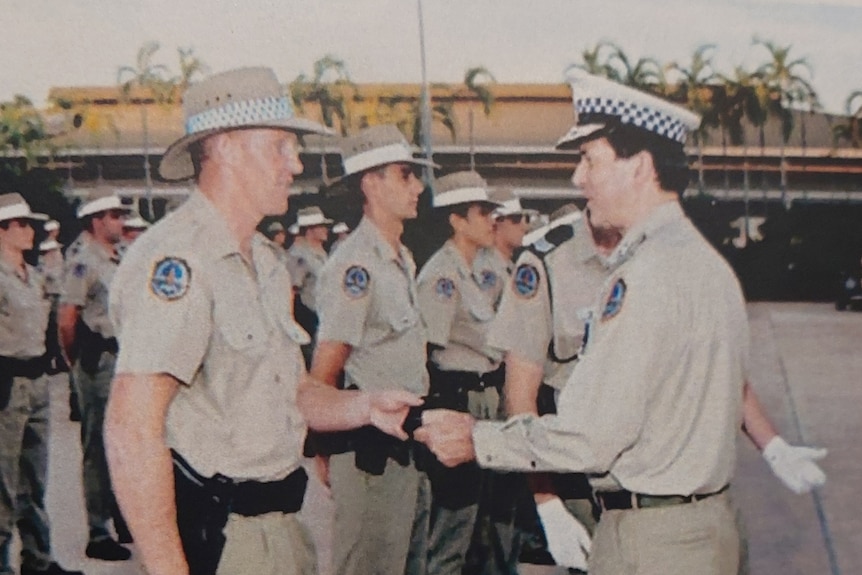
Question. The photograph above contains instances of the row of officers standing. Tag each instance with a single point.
(616, 345)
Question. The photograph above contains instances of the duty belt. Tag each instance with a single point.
(29, 368)
(466, 380)
(609, 500)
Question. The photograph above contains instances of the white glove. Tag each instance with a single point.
(568, 541)
(794, 465)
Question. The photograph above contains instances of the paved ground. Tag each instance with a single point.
(807, 368)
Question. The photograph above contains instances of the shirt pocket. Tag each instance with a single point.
(476, 303)
(240, 322)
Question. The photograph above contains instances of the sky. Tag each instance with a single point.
(48, 43)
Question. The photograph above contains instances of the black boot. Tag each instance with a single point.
(107, 550)
(53, 569)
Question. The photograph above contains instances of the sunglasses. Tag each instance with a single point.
(514, 218)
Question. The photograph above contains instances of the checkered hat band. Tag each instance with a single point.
(634, 114)
(242, 113)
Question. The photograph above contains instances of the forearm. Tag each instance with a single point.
(523, 378)
(326, 408)
(755, 422)
(142, 475)
(67, 317)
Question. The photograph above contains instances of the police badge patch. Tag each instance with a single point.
(356, 282)
(615, 300)
(526, 280)
(444, 287)
(488, 279)
(170, 279)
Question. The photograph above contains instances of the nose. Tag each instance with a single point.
(578, 175)
(294, 163)
(416, 185)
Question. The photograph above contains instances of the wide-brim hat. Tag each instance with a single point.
(377, 146)
(340, 228)
(52, 225)
(600, 102)
(49, 245)
(293, 229)
(101, 200)
(461, 188)
(13, 206)
(310, 217)
(510, 204)
(274, 228)
(245, 98)
(567, 214)
(136, 223)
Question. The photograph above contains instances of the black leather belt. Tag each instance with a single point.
(609, 500)
(30, 368)
(466, 380)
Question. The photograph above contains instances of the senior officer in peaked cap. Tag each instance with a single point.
(83, 322)
(24, 394)
(209, 408)
(655, 400)
(371, 330)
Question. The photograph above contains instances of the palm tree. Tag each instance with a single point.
(21, 130)
(190, 67)
(852, 129)
(786, 88)
(643, 73)
(483, 93)
(595, 60)
(152, 78)
(697, 83)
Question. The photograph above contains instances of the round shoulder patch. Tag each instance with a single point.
(488, 279)
(170, 279)
(356, 280)
(525, 281)
(444, 287)
(614, 303)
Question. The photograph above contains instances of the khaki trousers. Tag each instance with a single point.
(268, 544)
(699, 537)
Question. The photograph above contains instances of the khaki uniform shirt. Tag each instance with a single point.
(88, 276)
(656, 398)
(304, 264)
(51, 267)
(367, 299)
(457, 312)
(492, 270)
(24, 311)
(546, 304)
(186, 303)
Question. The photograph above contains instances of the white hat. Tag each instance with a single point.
(293, 230)
(14, 206)
(136, 223)
(377, 146)
(340, 228)
(52, 225)
(242, 98)
(599, 101)
(101, 200)
(49, 245)
(461, 188)
(311, 216)
(510, 204)
(274, 228)
(567, 214)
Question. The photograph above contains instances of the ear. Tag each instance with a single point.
(644, 168)
(456, 221)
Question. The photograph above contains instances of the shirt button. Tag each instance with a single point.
(249, 337)
(533, 464)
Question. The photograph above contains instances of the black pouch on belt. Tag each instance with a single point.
(5, 382)
(203, 505)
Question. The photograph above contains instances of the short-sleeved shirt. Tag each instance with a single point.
(89, 272)
(547, 302)
(187, 303)
(656, 398)
(367, 299)
(492, 269)
(24, 311)
(304, 264)
(457, 312)
(51, 266)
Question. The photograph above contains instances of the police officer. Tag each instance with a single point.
(133, 227)
(656, 397)
(209, 407)
(83, 323)
(341, 231)
(371, 331)
(275, 232)
(305, 259)
(465, 373)
(24, 394)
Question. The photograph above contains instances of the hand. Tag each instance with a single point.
(388, 409)
(448, 434)
(794, 465)
(321, 469)
(568, 541)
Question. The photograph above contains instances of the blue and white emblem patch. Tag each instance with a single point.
(171, 278)
(526, 280)
(444, 287)
(615, 300)
(487, 279)
(356, 281)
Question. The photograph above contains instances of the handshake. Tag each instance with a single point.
(447, 433)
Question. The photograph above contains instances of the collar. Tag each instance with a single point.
(369, 233)
(215, 232)
(451, 251)
(660, 217)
